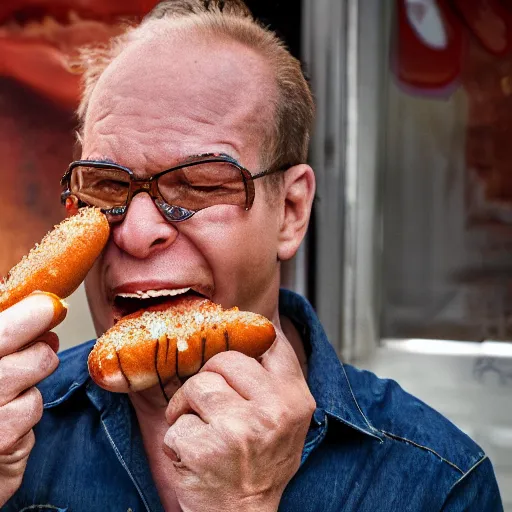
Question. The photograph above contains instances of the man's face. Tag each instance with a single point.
(160, 102)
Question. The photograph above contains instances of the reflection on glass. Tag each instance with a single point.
(448, 196)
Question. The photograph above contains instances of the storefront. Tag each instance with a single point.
(411, 246)
(413, 220)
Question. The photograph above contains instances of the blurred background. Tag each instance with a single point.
(408, 260)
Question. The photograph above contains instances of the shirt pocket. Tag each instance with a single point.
(43, 508)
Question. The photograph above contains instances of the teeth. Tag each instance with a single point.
(150, 294)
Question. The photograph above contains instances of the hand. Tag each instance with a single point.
(238, 429)
(27, 356)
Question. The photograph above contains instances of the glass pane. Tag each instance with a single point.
(202, 185)
(448, 175)
(104, 188)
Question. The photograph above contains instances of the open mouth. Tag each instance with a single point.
(127, 303)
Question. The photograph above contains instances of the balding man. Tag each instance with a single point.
(201, 86)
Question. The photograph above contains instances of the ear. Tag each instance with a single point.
(298, 191)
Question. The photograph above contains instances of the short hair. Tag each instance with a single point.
(287, 142)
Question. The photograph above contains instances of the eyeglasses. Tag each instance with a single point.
(179, 192)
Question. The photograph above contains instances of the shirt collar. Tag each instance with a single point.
(71, 374)
(327, 378)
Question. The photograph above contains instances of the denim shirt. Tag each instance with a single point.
(370, 447)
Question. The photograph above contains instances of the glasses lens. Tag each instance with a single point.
(104, 188)
(202, 185)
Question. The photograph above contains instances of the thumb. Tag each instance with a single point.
(280, 358)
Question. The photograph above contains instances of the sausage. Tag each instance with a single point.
(61, 261)
(151, 346)
(148, 347)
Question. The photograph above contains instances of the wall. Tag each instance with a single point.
(78, 326)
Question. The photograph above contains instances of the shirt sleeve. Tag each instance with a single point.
(476, 491)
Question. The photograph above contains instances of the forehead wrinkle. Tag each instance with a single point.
(154, 127)
(172, 138)
(225, 106)
(157, 147)
(145, 159)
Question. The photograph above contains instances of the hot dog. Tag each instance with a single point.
(60, 262)
(148, 347)
(152, 346)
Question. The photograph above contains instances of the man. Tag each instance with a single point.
(200, 81)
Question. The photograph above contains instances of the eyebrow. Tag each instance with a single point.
(208, 155)
(107, 160)
(101, 160)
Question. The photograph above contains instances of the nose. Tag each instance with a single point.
(144, 230)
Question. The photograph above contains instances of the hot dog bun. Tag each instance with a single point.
(151, 346)
(61, 261)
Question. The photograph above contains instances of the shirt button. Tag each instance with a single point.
(319, 416)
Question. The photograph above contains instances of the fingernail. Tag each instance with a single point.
(60, 308)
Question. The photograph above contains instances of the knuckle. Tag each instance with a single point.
(19, 451)
(48, 360)
(180, 426)
(37, 409)
(253, 435)
(170, 436)
(28, 445)
(203, 384)
(3, 375)
(18, 417)
(8, 439)
(33, 406)
(6, 331)
(8, 383)
(247, 429)
(239, 432)
(269, 421)
(281, 413)
(310, 406)
(197, 382)
(284, 419)
(223, 358)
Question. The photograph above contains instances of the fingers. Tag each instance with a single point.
(186, 428)
(60, 308)
(244, 374)
(25, 321)
(13, 463)
(24, 369)
(51, 339)
(18, 417)
(206, 394)
(254, 380)
(280, 359)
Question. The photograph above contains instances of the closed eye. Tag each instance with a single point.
(110, 187)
